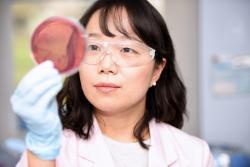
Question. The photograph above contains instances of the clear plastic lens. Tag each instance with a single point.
(123, 53)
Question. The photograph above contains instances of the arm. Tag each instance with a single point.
(34, 161)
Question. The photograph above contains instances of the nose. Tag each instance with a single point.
(107, 65)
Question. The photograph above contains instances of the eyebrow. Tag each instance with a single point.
(94, 35)
(122, 37)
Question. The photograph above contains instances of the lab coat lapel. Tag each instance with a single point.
(164, 151)
(161, 152)
(95, 150)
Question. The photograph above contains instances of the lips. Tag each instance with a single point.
(106, 87)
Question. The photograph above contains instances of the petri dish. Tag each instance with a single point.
(61, 40)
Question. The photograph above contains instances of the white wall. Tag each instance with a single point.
(224, 28)
(7, 118)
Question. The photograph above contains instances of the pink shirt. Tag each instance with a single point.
(170, 147)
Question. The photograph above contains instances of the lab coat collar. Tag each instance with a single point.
(161, 153)
(95, 150)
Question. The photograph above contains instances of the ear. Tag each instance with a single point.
(157, 71)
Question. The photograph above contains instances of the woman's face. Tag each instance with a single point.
(111, 88)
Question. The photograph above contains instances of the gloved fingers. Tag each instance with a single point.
(37, 75)
(46, 99)
(24, 110)
(42, 88)
(34, 114)
(47, 122)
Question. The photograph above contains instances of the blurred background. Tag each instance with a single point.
(212, 42)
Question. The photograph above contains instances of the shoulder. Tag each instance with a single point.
(180, 137)
(69, 139)
(186, 145)
(69, 147)
(69, 134)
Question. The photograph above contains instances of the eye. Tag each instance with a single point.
(93, 48)
(128, 50)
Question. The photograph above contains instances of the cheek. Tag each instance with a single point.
(86, 79)
(137, 82)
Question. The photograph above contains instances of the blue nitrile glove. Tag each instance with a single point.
(34, 101)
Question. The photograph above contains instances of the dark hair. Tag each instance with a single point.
(166, 102)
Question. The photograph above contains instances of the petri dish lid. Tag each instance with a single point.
(61, 40)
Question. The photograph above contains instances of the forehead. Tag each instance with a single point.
(117, 23)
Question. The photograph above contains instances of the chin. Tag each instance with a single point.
(107, 109)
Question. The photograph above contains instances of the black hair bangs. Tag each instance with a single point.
(116, 13)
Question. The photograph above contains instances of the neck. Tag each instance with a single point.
(120, 125)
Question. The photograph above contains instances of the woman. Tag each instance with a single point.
(124, 107)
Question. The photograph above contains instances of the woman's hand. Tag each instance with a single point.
(34, 101)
